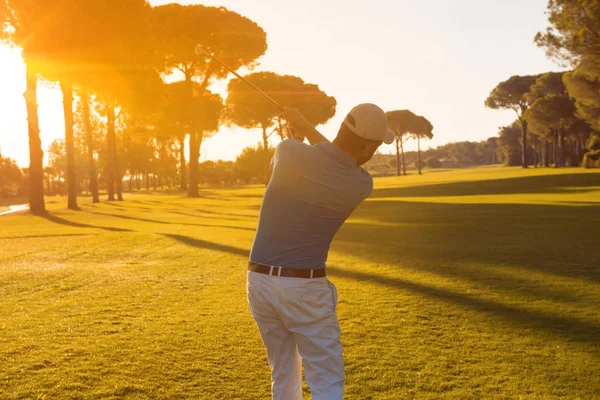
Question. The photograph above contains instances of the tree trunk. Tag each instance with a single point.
(265, 138)
(111, 152)
(280, 125)
(546, 152)
(117, 182)
(67, 91)
(403, 160)
(561, 144)
(89, 139)
(524, 140)
(193, 172)
(555, 147)
(182, 166)
(48, 187)
(535, 154)
(36, 154)
(397, 157)
(419, 154)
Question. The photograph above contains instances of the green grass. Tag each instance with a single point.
(470, 284)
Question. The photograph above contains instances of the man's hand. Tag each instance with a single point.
(296, 120)
(301, 127)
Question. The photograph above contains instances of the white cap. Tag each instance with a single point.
(370, 123)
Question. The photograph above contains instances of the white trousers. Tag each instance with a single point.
(297, 321)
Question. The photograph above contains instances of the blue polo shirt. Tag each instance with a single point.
(312, 191)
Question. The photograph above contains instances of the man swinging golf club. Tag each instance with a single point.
(313, 190)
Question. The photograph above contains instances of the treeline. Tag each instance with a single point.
(153, 165)
(124, 124)
(558, 113)
(451, 155)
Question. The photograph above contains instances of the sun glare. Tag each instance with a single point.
(12, 67)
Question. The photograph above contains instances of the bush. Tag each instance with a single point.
(593, 143)
(254, 163)
(433, 162)
(591, 159)
(10, 177)
(423, 164)
(216, 173)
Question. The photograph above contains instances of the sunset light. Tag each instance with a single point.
(293, 200)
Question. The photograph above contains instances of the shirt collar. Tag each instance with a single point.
(337, 154)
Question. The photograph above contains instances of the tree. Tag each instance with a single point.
(173, 122)
(512, 95)
(403, 123)
(553, 112)
(510, 147)
(248, 109)
(253, 163)
(423, 130)
(548, 84)
(573, 38)
(491, 150)
(583, 85)
(206, 118)
(130, 82)
(592, 156)
(574, 30)
(10, 177)
(433, 162)
(63, 57)
(21, 24)
(89, 124)
(236, 40)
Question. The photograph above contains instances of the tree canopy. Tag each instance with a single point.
(403, 122)
(583, 85)
(553, 111)
(512, 94)
(236, 40)
(248, 109)
(574, 30)
(550, 83)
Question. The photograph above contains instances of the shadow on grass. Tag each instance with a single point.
(62, 221)
(442, 238)
(155, 221)
(203, 244)
(211, 215)
(45, 236)
(571, 328)
(523, 185)
(218, 213)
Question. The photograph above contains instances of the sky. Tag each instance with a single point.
(438, 58)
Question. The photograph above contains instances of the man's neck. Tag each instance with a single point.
(337, 145)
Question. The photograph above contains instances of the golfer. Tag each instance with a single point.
(313, 190)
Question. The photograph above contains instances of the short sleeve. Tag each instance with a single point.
(291, 151)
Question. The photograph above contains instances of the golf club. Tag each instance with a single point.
(201, 50)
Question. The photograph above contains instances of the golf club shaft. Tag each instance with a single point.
(266, 96)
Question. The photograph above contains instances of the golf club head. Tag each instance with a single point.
(201, 50)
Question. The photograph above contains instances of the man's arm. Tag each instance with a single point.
(302, 128)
